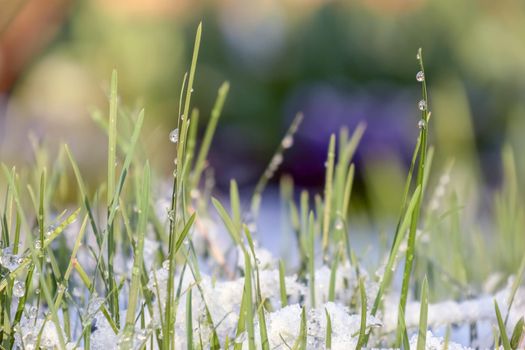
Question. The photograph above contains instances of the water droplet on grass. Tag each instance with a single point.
(287, 142)
(174, 135)
(19, 289)
(9, 260)
(422, 105)
(32, 312)
(339, 224)
(420, 76)
(38, 244)
(421, 124)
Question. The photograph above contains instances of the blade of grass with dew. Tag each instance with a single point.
(169, 319)
(273, 165)
(362, 327)
(425, 116)
(423, 317)
(328, 195)
(504, 340)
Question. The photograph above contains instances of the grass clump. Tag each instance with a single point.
(147, 275)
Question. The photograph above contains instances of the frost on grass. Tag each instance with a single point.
(284, 326)
(436, 343)
(34, 330)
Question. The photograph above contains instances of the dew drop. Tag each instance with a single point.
(287, 142)
(32, 312)
(9, 260)
(276, 161)
(171, 215)
(420, 76)
(339, 224)
(174, 135)
(421, 124)
(418, 56)
(38, 244)
(49, 230)
(422, 105)
(19, 289)
(166, 265)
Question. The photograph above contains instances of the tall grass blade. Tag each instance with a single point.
(423, 317)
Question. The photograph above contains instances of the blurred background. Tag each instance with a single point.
(339, 62)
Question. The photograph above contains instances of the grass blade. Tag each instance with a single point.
(517, 334)
(423, 317)
(504, 340)
(328, 337)
(328, 194)
(282, 284)
(189, 322)
(362, 328)
(135, 284)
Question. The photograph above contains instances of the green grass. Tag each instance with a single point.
(50, 265)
